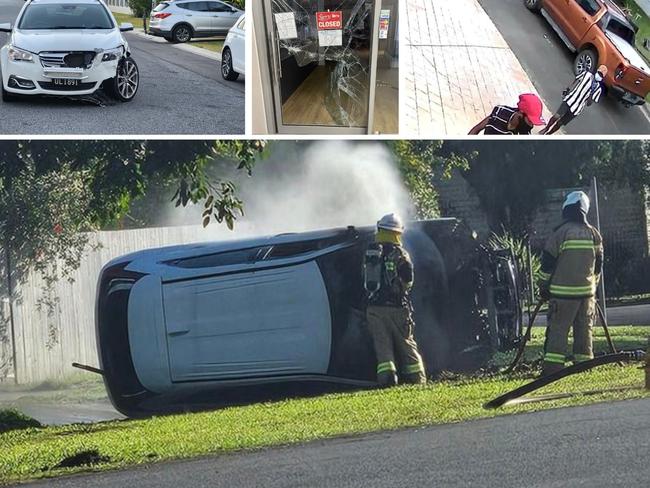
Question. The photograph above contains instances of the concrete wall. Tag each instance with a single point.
(121, 6)
(73, 320)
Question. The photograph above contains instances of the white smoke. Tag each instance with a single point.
(328, 184)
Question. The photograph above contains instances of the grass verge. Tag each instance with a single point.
(52, 451)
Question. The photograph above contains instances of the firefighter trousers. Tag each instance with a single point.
(392, 333)
(563, 314)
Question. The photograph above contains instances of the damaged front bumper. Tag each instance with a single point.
(37, 78)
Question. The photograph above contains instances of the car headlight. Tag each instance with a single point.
(16, 54)
(112, 54)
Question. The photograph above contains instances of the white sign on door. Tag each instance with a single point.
(286, 24)
(330, 38)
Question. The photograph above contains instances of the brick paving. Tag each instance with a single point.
(456, 67)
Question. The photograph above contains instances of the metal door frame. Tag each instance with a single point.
(271, 77)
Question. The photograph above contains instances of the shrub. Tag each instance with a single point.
(12, 419)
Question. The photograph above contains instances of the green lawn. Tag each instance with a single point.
(42, 452)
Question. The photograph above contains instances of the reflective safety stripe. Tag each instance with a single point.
(544, 276)
(581, 358)
(552, 357)
(561, 290)
(414, 368)
(577, 244)
(387, 366)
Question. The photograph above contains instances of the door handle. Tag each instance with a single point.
(176, 333)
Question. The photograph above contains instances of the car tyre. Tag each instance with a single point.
(126, 82)
(182, 33)
(227, 70)
(533, 5)
(6, 96)
(586, 60)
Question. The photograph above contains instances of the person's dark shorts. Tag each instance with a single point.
(564, 113)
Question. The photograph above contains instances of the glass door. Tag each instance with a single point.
(321, 64)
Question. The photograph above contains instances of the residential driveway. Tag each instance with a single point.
(549, 65)
(180, 93)
(594, 446)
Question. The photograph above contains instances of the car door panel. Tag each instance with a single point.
(223, 17)
(263, 323)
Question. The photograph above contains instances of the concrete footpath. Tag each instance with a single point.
(456, 68)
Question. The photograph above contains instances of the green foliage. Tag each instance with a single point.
(419, 163)
(511, 177)
(12, 419)
(241, 4)
(519, 248)
(140, 8)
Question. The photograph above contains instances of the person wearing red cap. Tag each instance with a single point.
(509, 121)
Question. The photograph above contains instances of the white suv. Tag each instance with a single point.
(180, 21)
(67, 47)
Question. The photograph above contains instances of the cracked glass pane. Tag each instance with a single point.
(324, 49)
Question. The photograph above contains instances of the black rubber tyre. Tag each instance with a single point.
(6, 96)
(533, 5)
(227, 70)
(182, 33)
(125, 85)
(168, 39)
(586, 60)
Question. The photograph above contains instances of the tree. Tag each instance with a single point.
(51, 192)
(511, 177)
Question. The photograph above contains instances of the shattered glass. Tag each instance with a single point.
(346, 94)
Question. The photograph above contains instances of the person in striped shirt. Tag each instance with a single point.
(586, 89)
(572, 262)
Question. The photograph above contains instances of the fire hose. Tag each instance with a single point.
(627, 356)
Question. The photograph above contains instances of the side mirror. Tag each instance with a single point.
(5, 27)
(646, 43)
(126, 27)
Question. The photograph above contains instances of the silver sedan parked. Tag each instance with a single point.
(180, 21)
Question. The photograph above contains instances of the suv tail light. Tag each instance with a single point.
(620, 72)
(162, 15)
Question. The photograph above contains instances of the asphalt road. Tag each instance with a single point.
(180, 93)
(549, 65)
(594, 446)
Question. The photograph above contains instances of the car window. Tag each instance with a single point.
(66, 16)
(590, 6)
(227, 258)
(621, 30)
(219, 7)
(195, 6)
(161, 6)
(242, 24)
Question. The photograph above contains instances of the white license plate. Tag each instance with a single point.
(65, 82)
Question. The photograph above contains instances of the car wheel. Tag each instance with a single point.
(126, 82)
(182, 33)
(533, 5)
(227, 70)
(586, 60)
(6, 96)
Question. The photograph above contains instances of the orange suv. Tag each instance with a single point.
(600, 32)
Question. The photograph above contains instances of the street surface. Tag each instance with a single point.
(599, 445)
(549, 64)
(180, 93)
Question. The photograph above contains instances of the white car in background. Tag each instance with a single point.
(67, 47)
(233, 54)
(181, 20)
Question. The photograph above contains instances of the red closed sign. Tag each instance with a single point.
(329, 20)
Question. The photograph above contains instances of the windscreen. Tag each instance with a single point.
(66, 16)
(160, 7)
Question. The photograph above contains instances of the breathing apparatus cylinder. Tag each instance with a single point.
(372, 265)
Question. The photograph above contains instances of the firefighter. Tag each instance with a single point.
(388, 277)
(571, 265)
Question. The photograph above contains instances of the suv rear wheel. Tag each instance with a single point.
(182, 33)
(586, 60)
(126, 82)
(227, 70)
(533, 5)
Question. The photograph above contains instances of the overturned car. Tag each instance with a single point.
(179, 325)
